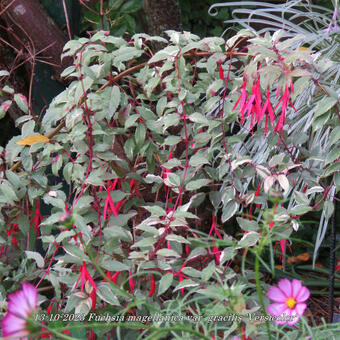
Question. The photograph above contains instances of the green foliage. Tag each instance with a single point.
(116, 16)
(196, 19)
(148, 151)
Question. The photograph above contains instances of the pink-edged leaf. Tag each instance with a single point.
(4, 108)
(21, 101)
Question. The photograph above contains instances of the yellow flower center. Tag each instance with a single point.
(291, 303)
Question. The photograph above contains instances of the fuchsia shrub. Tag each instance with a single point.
(168, 140)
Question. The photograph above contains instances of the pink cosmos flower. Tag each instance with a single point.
(289, 300)
(21, 306)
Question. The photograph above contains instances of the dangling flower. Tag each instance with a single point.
(11, 231)
(253, 105)
(114, 277)
(285, 99)
(289, 297)
(45, 335)
(108, 201)
(337, 267)
(257, 194)
(133, 188)
(215, 249)
(250, 213)
(37, 218)
(242, 100)
(214, 229)
(220, 69)
(131, 282)
(21, 307)
(85, 276)
(268, 110)
(165, 170)
(181, 276)
(152, 286)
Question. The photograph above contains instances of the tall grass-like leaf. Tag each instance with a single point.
(306, 24)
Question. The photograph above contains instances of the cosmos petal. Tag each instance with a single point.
(294, 318)
(13, 326)
(282, 318)
(17, 304)
(277, 309)
(20, 307)
(296, 287)
(286, 287)
(300, 308)
(276, 294)
(302, 295)
(31, 295)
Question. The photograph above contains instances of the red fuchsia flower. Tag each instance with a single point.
(152, 286)
(93, 297)
(289, 305)
(11, 231)
(268, 110)
(283, 243)
(217, 254)
(37, 218)
(220, 69)
(285, 99)
(165, 170)
(181, 276)
(215, 249)
(131, 282)
(337, 267)
(21, 307)
(253, 105)
(257, 194)
(242, 100)
(214, 229)
(85, 276)
(108, 202)
(250, 213)
(133, 187)
(243, 336)
(45, 335)
(113, 277)
(92, 335)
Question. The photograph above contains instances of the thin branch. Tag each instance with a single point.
(119, 76)
(30, 108)
(87, 7)
(137, 67)
(67, 21)
(101, 14)
(7, 7)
